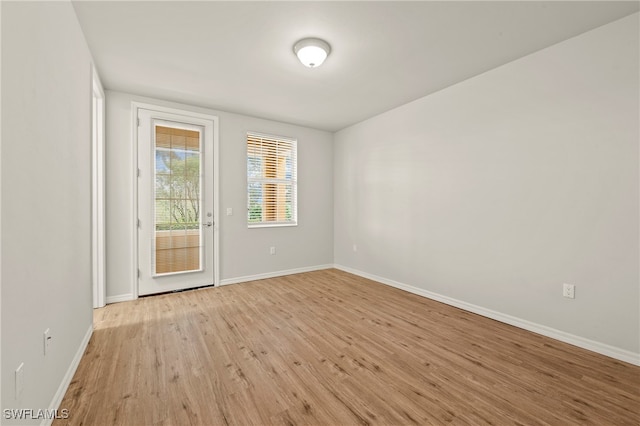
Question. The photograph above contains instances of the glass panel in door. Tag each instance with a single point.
(178, 242)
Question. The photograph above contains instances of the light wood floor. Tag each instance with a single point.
(330, 348)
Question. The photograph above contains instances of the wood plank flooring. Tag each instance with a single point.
(330, 348)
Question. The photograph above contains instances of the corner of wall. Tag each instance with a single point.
(0, 204)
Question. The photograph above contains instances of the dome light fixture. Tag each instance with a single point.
(312, 51)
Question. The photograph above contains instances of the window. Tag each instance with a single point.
(178, 163)
(271, 181)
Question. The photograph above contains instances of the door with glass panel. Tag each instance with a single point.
(175, 202)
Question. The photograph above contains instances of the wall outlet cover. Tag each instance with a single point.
(19, 380)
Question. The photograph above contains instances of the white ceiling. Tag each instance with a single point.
(237, 56)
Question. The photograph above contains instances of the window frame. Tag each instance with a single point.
(291, 144)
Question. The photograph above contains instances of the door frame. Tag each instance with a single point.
(135, 107)
(98, 248)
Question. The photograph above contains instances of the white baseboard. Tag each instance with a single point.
(119, 298)
(246, 278)
(601, 348)
(66, 380)
(236, 280)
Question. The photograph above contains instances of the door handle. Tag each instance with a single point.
(209, 224)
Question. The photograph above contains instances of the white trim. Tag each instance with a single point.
(275, 274)
(66, 380)
(169, 110)
(601, 348)
(120, 298)
(135, 107)
(272, 137)
(271, 225)
(216, 200)
(134, 200)
(98, 248)
(0, 210)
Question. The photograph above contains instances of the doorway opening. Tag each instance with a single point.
(98, 273)
(176, 222)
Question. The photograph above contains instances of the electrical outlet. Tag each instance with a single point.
(47, 340)
(229, 211)
(569, 290)
(19, 376)
(272, 250)
(355, 247)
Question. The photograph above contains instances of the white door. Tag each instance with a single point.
(175, 202)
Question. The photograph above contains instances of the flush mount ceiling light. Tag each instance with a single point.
(312, 51)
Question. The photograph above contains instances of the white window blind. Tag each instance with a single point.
(271, 181)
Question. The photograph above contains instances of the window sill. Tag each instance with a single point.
(271, 225)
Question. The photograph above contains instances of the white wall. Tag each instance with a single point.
(45, 197)
(496, 191)
(243, 252)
